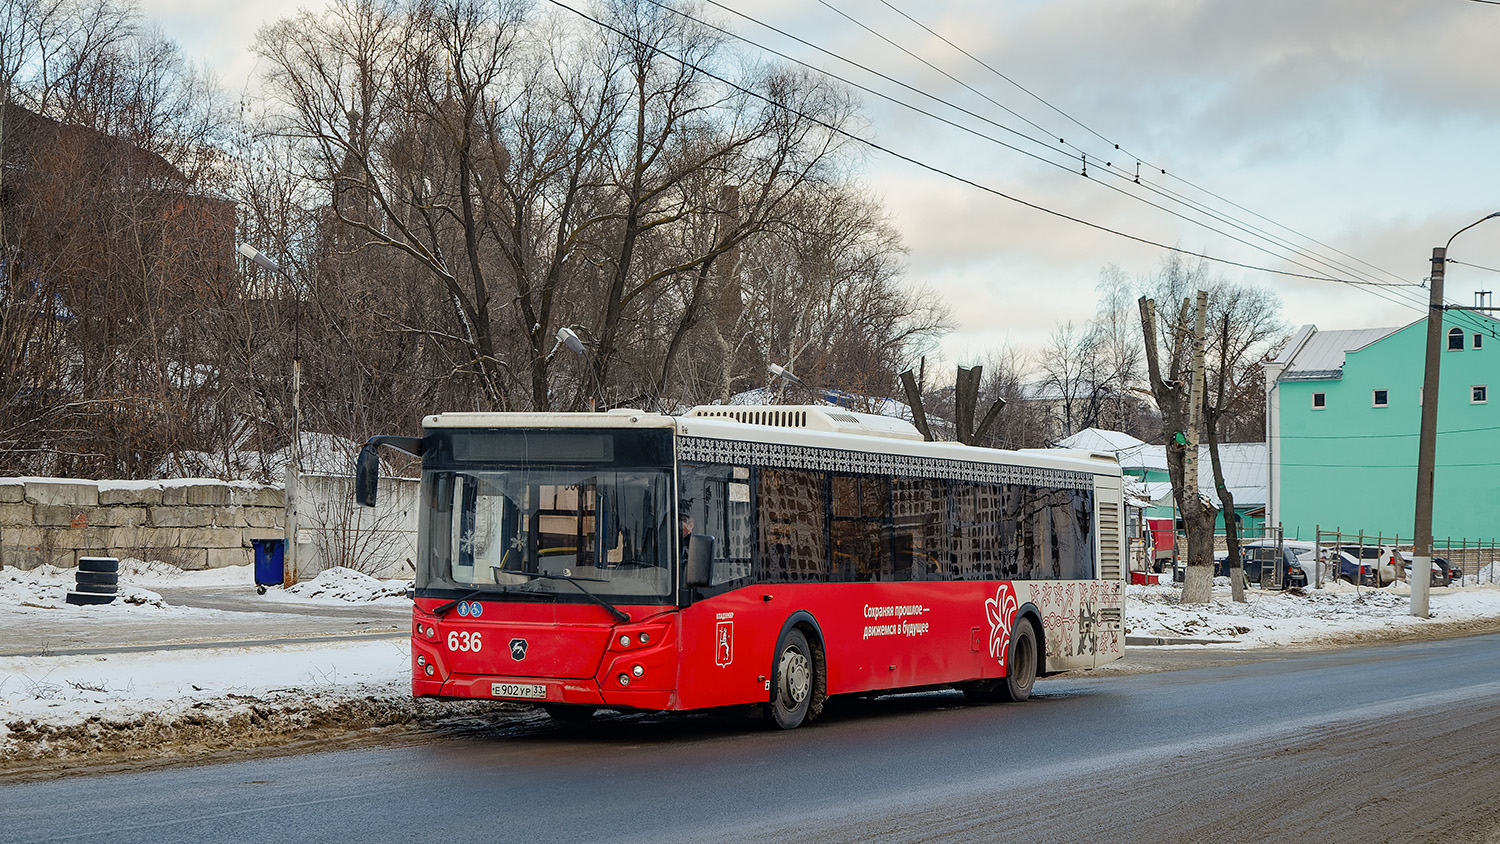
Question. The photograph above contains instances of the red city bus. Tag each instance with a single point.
(750, 556)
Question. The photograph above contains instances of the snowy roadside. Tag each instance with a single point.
(60, 711)
(1336, 613)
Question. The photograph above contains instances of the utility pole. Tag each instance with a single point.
(1421, 552)
(1421, 564)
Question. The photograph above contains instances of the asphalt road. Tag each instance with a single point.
(1398, 743)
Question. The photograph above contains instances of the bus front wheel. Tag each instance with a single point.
(796, 679)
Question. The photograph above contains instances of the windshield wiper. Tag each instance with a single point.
(613, 610)
(443, 609)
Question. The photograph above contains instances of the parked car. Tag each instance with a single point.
(1454, 572)
(1443, 574)
(1438, 578)
(1367, 565)
(1292, 561)
(1255, 558)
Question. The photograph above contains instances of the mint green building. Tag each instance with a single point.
(1343, 411)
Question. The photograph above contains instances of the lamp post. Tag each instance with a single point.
(293, 478)
(264, 261)
(1421, 564)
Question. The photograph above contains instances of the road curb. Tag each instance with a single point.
(1139, 641)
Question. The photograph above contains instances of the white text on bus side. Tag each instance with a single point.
(900, 628)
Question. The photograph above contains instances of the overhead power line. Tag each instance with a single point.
(1023, 89)
(1313, 272)
(953, 176)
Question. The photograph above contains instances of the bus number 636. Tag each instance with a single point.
(463, 640)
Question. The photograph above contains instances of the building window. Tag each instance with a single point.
(1478, 340)
(1382, 398)
(1479, 394)
(1319, 401)
(1455, 339)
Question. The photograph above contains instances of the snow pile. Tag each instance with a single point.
(1270, 618)
(117, 685)
(161, 704)
(348, 585)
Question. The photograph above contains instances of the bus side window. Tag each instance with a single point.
(920, 520)
(860, 526)
(719, 504)
(793, 533)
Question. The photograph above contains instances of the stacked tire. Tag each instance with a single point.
(98, 581)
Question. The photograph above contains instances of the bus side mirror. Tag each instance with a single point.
(700, 560)
(366, 476)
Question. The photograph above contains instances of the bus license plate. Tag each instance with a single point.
(534, 691)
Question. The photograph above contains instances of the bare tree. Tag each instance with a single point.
(111, 239)
(1247, 326)
(549, 177)
(1021, 423)
(1172, 385)
(1121, 354)
(1073, 364)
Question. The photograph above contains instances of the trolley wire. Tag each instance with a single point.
(1113, 170)
(1117, 146)
(858, 139)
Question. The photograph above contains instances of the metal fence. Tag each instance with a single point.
(1476, 559)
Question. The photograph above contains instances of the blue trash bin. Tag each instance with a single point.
(270, 562)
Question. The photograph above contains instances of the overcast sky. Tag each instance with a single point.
(1368, 125)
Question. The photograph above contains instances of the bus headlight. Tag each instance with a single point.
(624, 641)
(638, 671)
(428, 669)
(624, 679)
(645, 637)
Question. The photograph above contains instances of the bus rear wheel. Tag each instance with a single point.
(1020, 675)
(795, 681)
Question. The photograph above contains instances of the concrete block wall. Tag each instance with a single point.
(190, 523)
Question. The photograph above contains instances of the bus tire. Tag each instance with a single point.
(1015, 686)
(570, 714)
(796, 680)
(1021, 664)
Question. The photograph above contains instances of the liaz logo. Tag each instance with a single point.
(517, 649)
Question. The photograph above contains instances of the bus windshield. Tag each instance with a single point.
(531, 528)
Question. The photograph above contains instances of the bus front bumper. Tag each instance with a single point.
(540, 690)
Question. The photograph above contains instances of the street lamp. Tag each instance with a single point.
(566, 336)
(1421, 564)
(264, 261)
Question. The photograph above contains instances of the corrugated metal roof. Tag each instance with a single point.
(1245, 472)
(1098, 439)
(1244, 465)
(1322, 356)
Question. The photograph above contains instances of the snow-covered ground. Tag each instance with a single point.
(1272, 619)
(60, 703)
